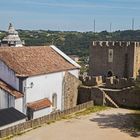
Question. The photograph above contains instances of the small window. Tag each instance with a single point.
(54, 101)
(110, 55)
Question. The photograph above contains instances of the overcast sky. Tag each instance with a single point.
(65, 15)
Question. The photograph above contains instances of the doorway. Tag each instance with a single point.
(109, 74)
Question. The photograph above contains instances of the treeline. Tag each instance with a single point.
(72, 42)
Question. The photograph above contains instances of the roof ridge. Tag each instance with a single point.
(65, 56)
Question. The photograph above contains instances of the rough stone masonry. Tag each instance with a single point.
(121, 59)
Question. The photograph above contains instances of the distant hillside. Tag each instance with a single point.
(73, 42)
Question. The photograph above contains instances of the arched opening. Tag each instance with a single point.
(109, 74)
(54, 100)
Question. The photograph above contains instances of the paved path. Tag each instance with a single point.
(112, 124)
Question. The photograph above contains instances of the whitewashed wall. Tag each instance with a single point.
(75, 72)
(8, 76)
(46, 85)
(6, 100)
(19, 104)
(41, 112)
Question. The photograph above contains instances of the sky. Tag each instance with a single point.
(70, 15)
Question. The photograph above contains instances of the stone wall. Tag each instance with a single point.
(137, 60)
(86, 94)
(117, 58)
(119, 83)
(127, 98)
(31, 124)
(71, 84)
(91, 80)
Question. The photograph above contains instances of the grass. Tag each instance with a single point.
(50, 122)
(85, 112)
(91, 110)
(136, 120)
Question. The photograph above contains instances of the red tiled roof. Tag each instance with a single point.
(29, 61)
(10, 90)
(40, 104)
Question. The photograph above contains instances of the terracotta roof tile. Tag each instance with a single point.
(29, 61)
(40, 104)
(10, 90)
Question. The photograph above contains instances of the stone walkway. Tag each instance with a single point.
(112, 124)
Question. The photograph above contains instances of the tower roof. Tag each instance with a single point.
(11, 29)
(12, 38)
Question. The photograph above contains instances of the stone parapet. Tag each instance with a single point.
(115, 43)
(91, 80)
(118, 83)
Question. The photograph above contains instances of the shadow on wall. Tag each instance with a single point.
(128, 123)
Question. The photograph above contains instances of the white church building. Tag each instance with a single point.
(12, 38)
(36, 80)
(32, 79)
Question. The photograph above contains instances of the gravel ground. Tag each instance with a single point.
(111, 124)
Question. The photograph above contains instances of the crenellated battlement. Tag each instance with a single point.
(109, 82)
(116, 43)
(118, 83)
(91, 80)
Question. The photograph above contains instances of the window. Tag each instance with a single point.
(54, 100)
(109, 74)
(110, 55)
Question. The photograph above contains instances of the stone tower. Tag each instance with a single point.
(12, 39)
(121, 59)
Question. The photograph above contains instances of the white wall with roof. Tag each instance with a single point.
(7, 100)
(7, 75)
(44, 86)
(42, 112)
(19, 104)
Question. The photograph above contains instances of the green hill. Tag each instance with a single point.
(72, 42)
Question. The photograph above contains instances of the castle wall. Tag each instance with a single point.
(126, 97)
(137, 60)
(116, 57)
(86, 94)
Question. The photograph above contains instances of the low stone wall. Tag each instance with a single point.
(119, 83)
(14, 130)
(86, 94)
(127, 98)
(91, 80)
